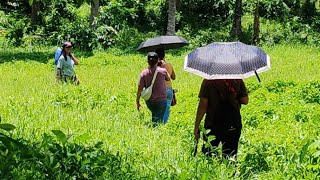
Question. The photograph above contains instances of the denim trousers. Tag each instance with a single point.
(169, 92)
(157, 109)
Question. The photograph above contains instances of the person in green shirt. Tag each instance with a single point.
(65, 65)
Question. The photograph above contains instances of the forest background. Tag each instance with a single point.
(93, 131)
(126, 23)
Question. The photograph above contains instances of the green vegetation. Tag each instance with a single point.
(125, 23)
(93, 131)
(59, 127)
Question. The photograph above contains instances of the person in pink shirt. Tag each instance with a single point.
(157, 102)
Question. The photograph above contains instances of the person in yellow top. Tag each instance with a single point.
(168, 66)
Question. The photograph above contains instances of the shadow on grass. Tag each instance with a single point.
(41, 57)
(45, 57)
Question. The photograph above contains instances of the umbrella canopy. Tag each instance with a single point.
(165, 42)
(227, 60)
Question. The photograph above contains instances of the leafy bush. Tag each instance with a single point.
(274, 9)
(17, 27)
(64, 24)
(256, 161)
(279, 86)
(203, 13)
(311, 92)
(314, 150)
(106, 36)
(57, 159)
(125, 41)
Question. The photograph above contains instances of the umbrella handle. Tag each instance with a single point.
(257, 75)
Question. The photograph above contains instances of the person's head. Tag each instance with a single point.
(66, 47)
(161, 53)
(152, 58)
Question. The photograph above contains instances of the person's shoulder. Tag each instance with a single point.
(167, 64)
(144, 72)
(212, 82)
(61, 58)
(161, 69)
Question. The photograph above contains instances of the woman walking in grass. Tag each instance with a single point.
(65, 65)
(157, 102)
(168, 66)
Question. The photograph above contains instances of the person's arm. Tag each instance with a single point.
(139, 90)
(138, 99)
(58, 70)
(167, 78)
(75, 60)
(202, 109)
(58, 74)
(244, 100)
(173, 74)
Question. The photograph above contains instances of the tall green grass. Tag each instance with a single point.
(281, 118)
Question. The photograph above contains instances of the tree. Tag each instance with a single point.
(35, 7)
(171, 25)
(256, 25)
(94, 13)
(236, 26)
(95, 8)
(309, 9)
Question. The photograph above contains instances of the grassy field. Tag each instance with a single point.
(280, 138)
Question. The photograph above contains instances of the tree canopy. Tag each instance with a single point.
(112, 23)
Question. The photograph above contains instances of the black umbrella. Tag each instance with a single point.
(227, 60)
(164, 42)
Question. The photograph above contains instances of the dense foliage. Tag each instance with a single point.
(125, 23)
(57, 159)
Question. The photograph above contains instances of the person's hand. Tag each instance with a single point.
(138, 106)
(196, 134)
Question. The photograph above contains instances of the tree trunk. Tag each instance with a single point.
(256, 26)
(94, 13)
(309, 8)
(171, 26)
(34, 13)
(236, 26)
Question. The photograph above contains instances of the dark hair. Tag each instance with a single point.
(152, 58)
(66, 44)
(161, 53)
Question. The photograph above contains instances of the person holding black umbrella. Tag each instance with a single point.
(168, 66)
(221, 101)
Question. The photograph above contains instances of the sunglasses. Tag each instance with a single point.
(68, 46)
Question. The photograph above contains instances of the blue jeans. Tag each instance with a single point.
(169, 92)
(157, 110)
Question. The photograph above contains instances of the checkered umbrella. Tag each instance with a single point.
(227, 60)
(164, 42)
